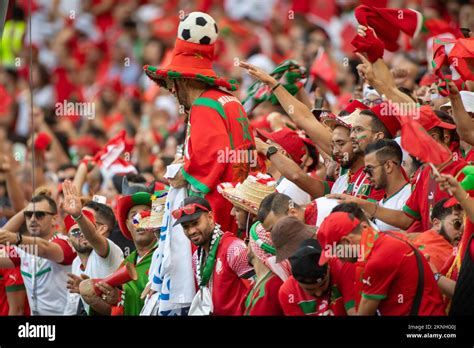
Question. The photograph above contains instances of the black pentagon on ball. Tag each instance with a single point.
(201, 21)
(186, 34)
(183, 19)
(205, 40)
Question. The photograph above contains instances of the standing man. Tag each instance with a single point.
(216, 124)
(45, 257)
(128, 301)
(220, 261)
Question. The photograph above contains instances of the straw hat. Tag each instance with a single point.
(154, 218)
(249, 194)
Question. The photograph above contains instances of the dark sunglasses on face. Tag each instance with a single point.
(457, 224)
(64, 179)
(39, 215)
(76, 232)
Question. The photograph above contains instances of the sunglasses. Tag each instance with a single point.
(76, 232)
(187, 210)
(39, 215)
(71, 178)
(457, 224)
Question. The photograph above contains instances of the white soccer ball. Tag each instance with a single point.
(198, 27)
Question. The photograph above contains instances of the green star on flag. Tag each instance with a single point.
(244, 122)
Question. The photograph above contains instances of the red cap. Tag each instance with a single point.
(87, 141)
(289, 140)
(390, 121)
(428, 79)
(355, 104)
(429, 120)
(69, 221)
(333, 228)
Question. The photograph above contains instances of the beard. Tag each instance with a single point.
(383, 182)
(81, 249)
(350, 161)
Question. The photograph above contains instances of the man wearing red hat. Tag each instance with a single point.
(130, 206)
(385, 264)
(217, 120)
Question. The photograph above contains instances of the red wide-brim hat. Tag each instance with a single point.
(124, 205)
(190, 61)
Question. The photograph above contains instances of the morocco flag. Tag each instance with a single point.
(324, 69)
(457, 54)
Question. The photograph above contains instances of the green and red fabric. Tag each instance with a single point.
(218, 128)
(190, 61)
(458, 55)
(263, 297)
(288, 73)
(124, 205)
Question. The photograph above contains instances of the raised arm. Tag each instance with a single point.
(296, 110)
(291, 171)
(73, 206)
(464, 122)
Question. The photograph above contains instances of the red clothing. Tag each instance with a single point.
(435, 245)
(228, 288)
(10, 281)
(360, 186)
(218, 137)
(391, 275)
(426, 192)
(339, 298)
(263, 297)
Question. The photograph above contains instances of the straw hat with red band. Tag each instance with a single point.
(193, 54)
(333, 228)
(124, 205)
(289, 140)
(69, 222)
(249, 194)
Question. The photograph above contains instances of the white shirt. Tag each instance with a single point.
(45, 282)
(96, 267)
(341, 184)
(396, 202)
(300, 197)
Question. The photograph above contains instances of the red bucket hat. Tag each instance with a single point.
(124, 205)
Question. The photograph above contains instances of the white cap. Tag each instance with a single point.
(467, 100)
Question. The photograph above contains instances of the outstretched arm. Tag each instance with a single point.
(298, 111)
(464, 122)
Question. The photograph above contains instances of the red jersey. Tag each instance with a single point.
(263, 297)
(426, 192)
(217, 141)
(435, 245)
(339, 298)
(228, 287)
(391, 275)
(10, 281)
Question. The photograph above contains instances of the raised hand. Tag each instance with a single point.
(72, 201)
(258, 73)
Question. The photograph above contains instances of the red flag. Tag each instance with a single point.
(461, 58)
(111, 151)
(419, 143)
(324, 69)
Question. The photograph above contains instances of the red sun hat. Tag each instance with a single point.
(333, 228)
(69, 221)
(124, 205)
(289, 140)
(191, 60)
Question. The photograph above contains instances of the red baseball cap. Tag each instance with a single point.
(389, 120)
(289, 140)
(333, 228)
(355, 104)
(428, 119)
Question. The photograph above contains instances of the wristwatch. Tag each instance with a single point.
(271, 151)
(437, 276)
